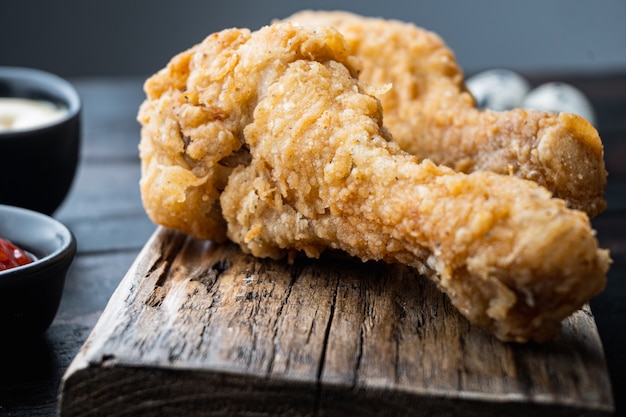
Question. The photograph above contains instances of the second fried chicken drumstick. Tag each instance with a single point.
(268, 138)
(431, 114)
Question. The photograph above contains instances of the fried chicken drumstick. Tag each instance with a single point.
(269, 139)
(430, 113)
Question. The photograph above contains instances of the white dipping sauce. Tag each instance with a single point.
(22, 114)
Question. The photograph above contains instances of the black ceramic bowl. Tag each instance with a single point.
(37, 165)
(30, 294)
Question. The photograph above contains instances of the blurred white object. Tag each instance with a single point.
(560, 97)
(21, 113)
(498, 89)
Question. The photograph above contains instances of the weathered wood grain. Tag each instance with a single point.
(197, 328)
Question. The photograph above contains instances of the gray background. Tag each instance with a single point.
(137, 37)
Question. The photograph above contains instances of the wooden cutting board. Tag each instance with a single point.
(197, 328)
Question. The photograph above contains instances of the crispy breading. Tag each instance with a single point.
(273, 131)
(431, 114)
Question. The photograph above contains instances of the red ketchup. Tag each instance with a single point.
(11, 256)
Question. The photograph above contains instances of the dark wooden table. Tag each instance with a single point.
(105, 213)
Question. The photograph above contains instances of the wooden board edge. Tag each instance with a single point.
(174, 392)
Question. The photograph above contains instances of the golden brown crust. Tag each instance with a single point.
(323, 173)
(431, 115)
